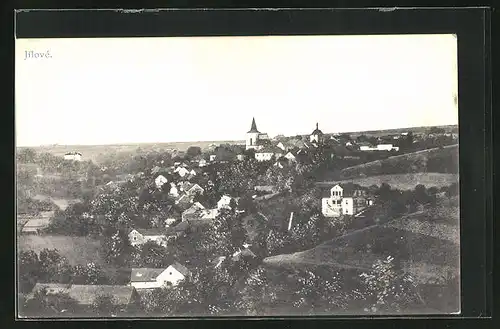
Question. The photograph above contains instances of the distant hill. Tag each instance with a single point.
(416, 162)
(92, 152)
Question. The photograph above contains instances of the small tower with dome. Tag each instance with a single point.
(317, 135)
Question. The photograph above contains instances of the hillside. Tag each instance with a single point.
(423, 243)
(400, 181)
(443, 160)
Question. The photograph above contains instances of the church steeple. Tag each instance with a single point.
(253, 129)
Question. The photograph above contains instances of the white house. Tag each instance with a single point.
(224, 202)
(202, 163)
(387, 147)
(141, 236)
(160, 181)
(267, 153)
(73, 156)
(181, 171)
(213, 157)
(196, 207)
(173, 190)
(337, 204)
(240, 157)
(291, 157)
(152, 278)
(190, 188)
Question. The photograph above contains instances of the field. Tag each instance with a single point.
(94, 152)
(415, 162)
(78, 250)
(401, 181)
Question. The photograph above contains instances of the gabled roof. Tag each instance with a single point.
(86, 294)
(145, 274)
(181, 268)
(253, 128)
(270, 149)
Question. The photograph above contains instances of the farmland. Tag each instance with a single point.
(96, 152)
(78, 250)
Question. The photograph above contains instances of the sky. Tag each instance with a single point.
(159, 90)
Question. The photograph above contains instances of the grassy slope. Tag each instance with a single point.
(428, 250)
(417, 159)
(401, 181)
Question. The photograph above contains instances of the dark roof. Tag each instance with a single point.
(86, 294)
(181, 268)
(253, 128)
(145, 274)
(317, 131)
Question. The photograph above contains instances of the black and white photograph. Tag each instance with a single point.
(307, 175)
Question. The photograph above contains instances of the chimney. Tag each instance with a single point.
(290, 222)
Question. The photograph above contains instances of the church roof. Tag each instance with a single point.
(253, 129)
(317, 131)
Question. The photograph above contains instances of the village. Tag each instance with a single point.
(208, 210)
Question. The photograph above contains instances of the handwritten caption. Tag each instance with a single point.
(31, 54)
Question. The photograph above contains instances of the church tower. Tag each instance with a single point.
(316, 136)
(252, 136)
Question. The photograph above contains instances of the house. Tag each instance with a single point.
(224, 202)
(240, 157)
(267, 153)
(184, 201)
(193, 172)
(291, 156)
(153, 278)
(173, 190)
(342, 201)
(190, 188)
(169, 221)
(125, 297)
(196, 207)
(160, 181)
(181, 171)
(316, 136)
(202, 163)
(140, 236)
(73, 156)
(35, 225)
(213, 157)
(244, 253)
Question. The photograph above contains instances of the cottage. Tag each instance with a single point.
(160, 181)
(173, 190)
(195, 208)
(291, 156)
(153, 278)
(190, 188)
(73, 156)
(37, 224)
(125, 297)
(141, 236)
(181, 171)
(224, 202)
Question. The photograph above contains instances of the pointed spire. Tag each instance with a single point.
(253, 129)
(317, 126)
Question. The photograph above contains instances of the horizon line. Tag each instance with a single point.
(229, 140)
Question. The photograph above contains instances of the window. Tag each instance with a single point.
(170, 273)
(135, 238)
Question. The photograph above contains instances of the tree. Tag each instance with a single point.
(389, 289)
(26, 155)
(193, 151)
(153, 255)
(116, 247)
(28, 270)
(54, 267)
(44, 304)
(105, 305)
